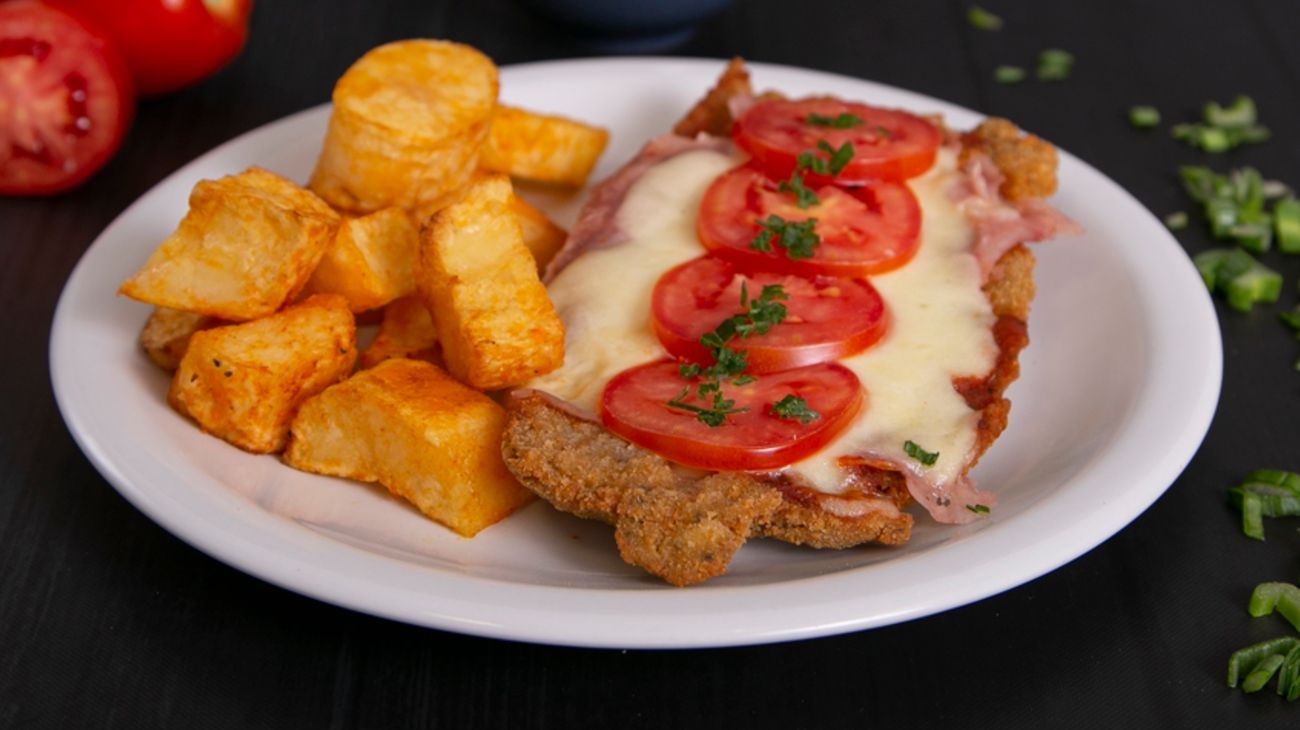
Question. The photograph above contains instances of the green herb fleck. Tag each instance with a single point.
(804, 197)
(916, 452)
(843, 120)
(1054, 65)
(979, 509)
(1008, 74)
(1143, 116)
(792, 407)
(981, 19)
(713, 416)
(798, 238)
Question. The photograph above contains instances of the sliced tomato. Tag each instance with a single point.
(170, 44)
(827, 318)
(887, 144)
(65, 99)
(863, 230)
(635, 406)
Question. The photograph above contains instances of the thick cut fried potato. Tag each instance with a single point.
(495, 322)
(371, 262)
(167, 332)
(406, 331)
(542, 237)
(244, 382)
(247, 245)
(408, 426)
(409, 119)
(541, 147)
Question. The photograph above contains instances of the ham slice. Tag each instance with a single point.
(1001, 225)
(597, 225)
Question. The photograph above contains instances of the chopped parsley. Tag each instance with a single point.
(831, 165)
(916, 452)
(759, 315)
(979, 509)
(792, 407)
(804, 197)
(843, 120)
(797, 237)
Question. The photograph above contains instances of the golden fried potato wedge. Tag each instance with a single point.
(408, 121)
(244, 382)
(405, 331)
(542, 237)
(496, 325)
(167, 332)
(410, 427)
(541, 147)
(247, 245)
(371, 262)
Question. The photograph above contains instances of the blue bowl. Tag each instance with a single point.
(630, 24)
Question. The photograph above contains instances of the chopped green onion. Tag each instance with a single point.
(1008, 74)
(1242, 280)
(1277, 478)
(1199, 182)
(1292, 318)
(1252, 516)
(1176, 221)
(1273, 501)
(1288, 680)
(1262, 672)
(1254, 237)
(1244, 661)
(1054, 65)
(979, 509)
(1240, 113)
(981, 19)
(1143, 116)
(1281, 597)
(1286, 221)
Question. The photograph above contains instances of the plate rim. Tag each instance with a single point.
(511, 622)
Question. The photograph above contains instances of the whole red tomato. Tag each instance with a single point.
(170, 44)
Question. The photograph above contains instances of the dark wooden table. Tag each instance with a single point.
(106, 620)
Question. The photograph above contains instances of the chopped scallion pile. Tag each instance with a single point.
(1223, 127)
(1143, 117)
(981, 19)
(1236, 207)
(1265, 493)
(1239, 277)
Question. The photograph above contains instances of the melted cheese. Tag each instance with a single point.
(940, 320)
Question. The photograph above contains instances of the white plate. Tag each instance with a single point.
(1118, 390)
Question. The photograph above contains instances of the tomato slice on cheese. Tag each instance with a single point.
(860, 231)
(887, 143)
(827, 318)
(635, 405)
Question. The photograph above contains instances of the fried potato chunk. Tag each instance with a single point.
(542, 147)
(167, 332)
(247, 245)
(244, 382)
(495, 322)
(542, 237)
(405, 331)
(371, 262)
(408, 122)
(410, 427)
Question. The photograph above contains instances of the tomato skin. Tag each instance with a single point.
(774, 132)
(869, 229)
(171, 44)
(634, 406)
(827, 318)
(66, 99)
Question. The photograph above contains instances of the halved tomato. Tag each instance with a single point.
(827, 318)
(65, 99)
(887, 143)
(635, 405)
(863, 230)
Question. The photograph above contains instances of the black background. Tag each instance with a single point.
(108, 621)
